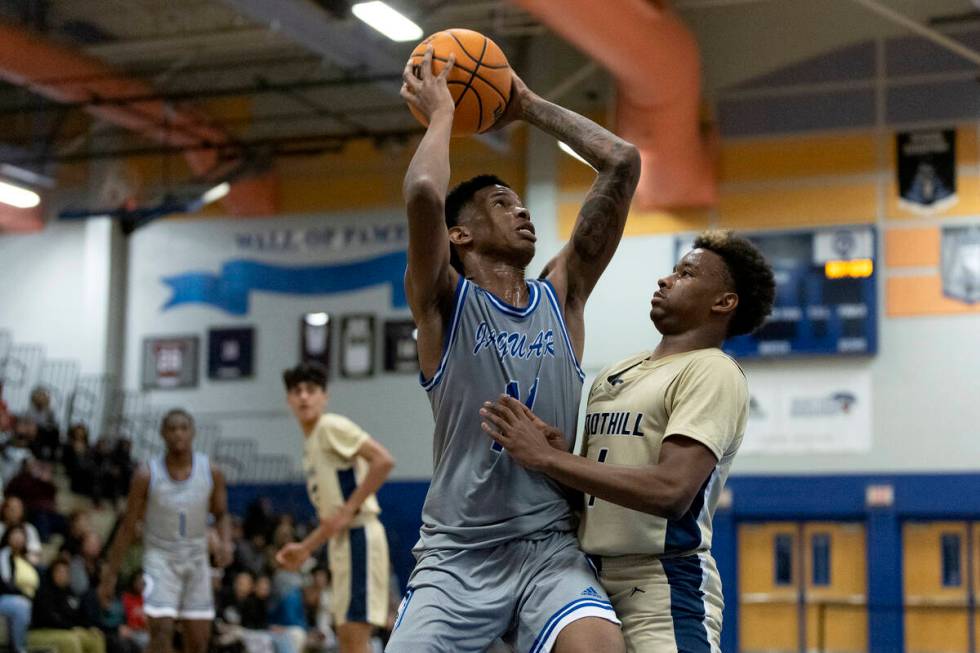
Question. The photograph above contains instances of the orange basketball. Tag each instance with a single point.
(479, 81)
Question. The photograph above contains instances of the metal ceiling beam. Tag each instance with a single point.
(253, 40)
(307, 24)
(924, 31)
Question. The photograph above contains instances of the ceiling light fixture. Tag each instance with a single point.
(388, 21)
(22, 198)
(215, 193)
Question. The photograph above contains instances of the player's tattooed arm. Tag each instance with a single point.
(602, 218)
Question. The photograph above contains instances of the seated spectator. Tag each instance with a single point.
(16, 608)
(6, 423)
(35, 487)
(287, 614)
(79, 525)
(12, 514)
(250, 554)
(16, 570)
(48, 441)
(123, 465)
(104, 483)
(17, 448)
(56, 621)
(84, 565)
(235, 606)
(318, 614)
(256, 616)
(78, 461)
(132, 599)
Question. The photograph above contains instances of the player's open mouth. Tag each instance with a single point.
(527, 231)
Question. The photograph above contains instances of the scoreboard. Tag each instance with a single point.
(826, 293)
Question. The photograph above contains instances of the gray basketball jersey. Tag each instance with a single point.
(479, 497)
(176, 520)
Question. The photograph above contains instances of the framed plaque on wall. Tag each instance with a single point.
(357, 346)
(170, 362)
(231, 353)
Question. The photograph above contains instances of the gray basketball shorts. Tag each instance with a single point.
(178, 587)
(525, 591)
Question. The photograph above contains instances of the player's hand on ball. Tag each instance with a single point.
(528, 439)
(292, 556)
(425, 91)
(519, 95)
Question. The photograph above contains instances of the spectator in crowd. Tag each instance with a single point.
(238, 612)
(17, 448)
(132, 600)
(48, 441)
(84, 565)
(16, 608)
(6, 422)
(12, 514)
(56, 621)
(35, 487)
(79, 524)
(105, 483)
(16, 570)
(122, 465)
(250, 554)
(287, 614)
(77, 460)
(318, 614)
(257, 616)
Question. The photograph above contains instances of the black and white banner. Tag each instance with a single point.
(926, 170)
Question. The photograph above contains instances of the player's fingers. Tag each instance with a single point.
(493, 433)
(496, 416)
(515, 407)
(427, 63)
(408, 95)
(448, 67)
(409, 77)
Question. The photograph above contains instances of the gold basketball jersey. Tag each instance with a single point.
(633, 406)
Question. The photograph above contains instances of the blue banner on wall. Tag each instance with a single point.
(230, 289)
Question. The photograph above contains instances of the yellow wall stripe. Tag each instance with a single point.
(793, 207)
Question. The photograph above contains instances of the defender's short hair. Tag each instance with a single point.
(306, 372)
(461, 195)
(752, 275)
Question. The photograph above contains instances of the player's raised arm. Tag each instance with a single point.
(133, 513)
(599, 227)
(429, 274)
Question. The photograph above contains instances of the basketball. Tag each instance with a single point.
(479, 81)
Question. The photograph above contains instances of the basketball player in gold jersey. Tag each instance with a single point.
(661, 431)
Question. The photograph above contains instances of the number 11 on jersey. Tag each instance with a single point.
(514, 390)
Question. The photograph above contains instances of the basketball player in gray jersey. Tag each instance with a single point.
(497, 556)
(173, 495)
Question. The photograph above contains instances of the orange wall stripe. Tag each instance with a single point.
(910, 296)
(912, 247)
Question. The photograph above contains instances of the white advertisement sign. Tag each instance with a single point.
(809, 410)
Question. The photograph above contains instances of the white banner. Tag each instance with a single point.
(808, 409)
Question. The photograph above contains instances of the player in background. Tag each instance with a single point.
(497, 554)
(661, 431)
(344, 467)
(173, 495)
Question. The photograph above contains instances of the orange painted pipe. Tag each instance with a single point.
(62, 74)
(657, 66)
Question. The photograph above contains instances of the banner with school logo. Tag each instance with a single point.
(926, 170)
(809, 410)
(960, 260)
